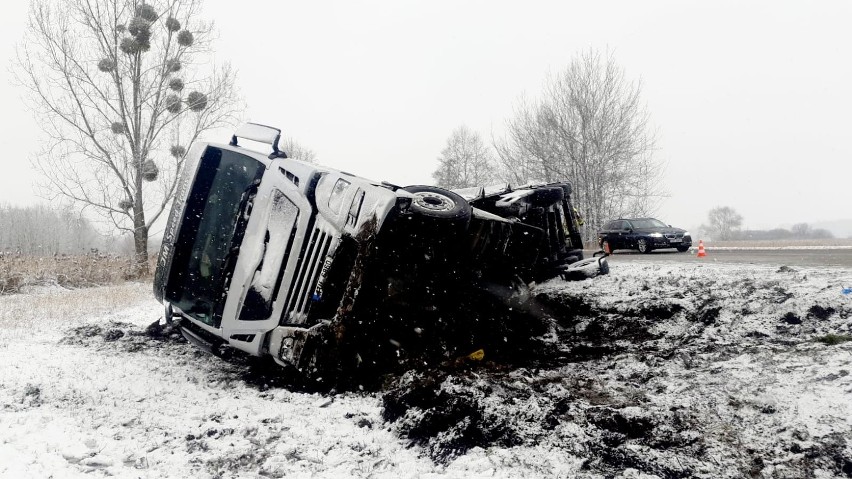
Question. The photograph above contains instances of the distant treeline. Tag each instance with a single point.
(41, 231)
(798, 231)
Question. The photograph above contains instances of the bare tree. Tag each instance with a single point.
(589, 127)
(724, 222)
(801, 230)
(121, 89)
(297, 151)
(465, 161)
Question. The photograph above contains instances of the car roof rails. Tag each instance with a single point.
(262, 134)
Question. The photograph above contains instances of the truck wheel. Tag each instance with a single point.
(431, 202)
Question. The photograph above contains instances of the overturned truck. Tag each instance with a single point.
(337, 276)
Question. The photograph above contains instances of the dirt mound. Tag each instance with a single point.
(425, 407)
(449, 415)
(654, 378)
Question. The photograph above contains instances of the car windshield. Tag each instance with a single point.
(223, 186)
(648, 223)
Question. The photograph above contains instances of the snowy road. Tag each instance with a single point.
(828, 257)
(663, 369)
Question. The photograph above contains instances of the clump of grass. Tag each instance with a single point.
(834, 339)
(70, 271)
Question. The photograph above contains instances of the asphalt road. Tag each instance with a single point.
(841, 258)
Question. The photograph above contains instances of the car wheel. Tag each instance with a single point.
(643, 246)
(683, 249)
(435, 206)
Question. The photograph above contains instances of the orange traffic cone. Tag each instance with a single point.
(701, 252)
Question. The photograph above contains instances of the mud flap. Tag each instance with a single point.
(584, 269)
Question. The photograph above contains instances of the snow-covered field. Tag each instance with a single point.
(657, 370)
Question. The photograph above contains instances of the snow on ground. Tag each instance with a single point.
(657, 370)
(100, 401)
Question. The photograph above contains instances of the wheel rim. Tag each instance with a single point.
(643, 245)
(433, 201)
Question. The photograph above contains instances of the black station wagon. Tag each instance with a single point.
(642, 234)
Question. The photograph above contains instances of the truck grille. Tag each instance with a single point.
(304, 284)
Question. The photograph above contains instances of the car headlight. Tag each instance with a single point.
(656, 235)
(686, 233)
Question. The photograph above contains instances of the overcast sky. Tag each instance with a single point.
(751, 101)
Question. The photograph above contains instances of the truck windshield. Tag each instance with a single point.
(205, 251)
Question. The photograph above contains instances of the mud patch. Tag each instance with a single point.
(264, 374)
(565, 308)
(126, 336)
(834, 339)
(791, 318)
(113, 335)
(445, 415)
(660, 310)
(819, 312)
(631, 426)
(708, 314)
(259, 373)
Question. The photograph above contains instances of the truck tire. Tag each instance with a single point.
(442, 206)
